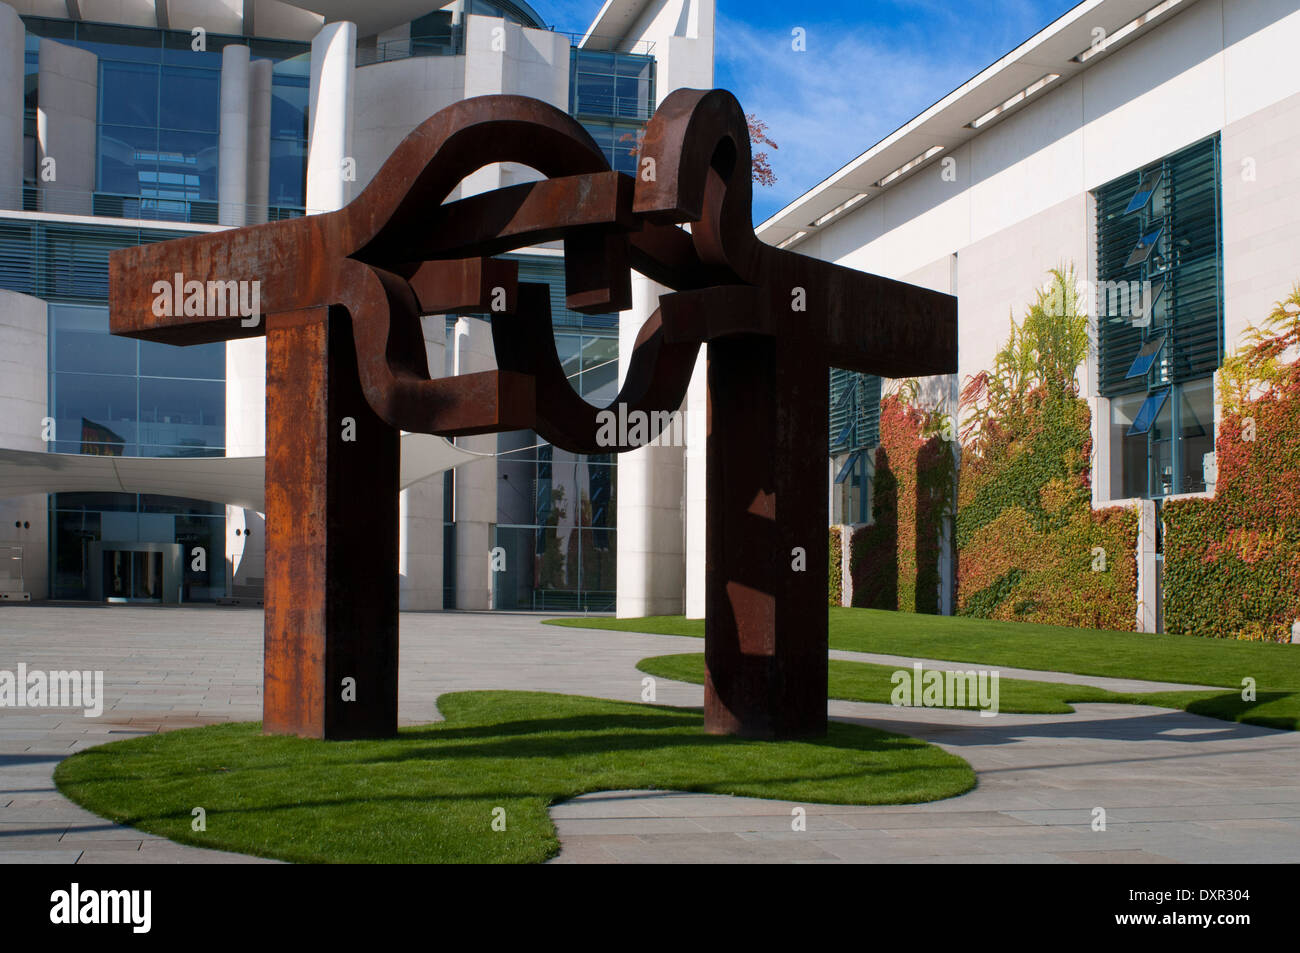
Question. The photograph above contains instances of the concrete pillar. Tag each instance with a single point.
(232, 163)
(420, 527)
(697, 419)
(259, 140)
(245, 437)
(329, 117)
(12, 40)
(475, 483)
(24, 350)
(1146, 567)
(65, 127)
(651, 537)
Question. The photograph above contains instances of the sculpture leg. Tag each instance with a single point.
(331, 553)
(766, 550)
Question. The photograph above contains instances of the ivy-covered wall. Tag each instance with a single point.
(1232, 563)
(835, 583)
(894, 561)
(1029, 545)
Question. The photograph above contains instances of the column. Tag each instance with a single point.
(259, 140)
(12, 39)
(232, 153)
(651, 562)
(329, 131)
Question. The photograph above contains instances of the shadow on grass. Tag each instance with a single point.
(428, 794)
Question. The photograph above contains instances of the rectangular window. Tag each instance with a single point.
(611, 85)
(1159, 257)
(854, 411)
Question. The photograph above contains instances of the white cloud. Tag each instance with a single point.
(853, 85)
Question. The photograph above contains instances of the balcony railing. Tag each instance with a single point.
(612, 107)
(451, 44)
(143, 207)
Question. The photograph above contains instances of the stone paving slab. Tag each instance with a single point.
(1176, 787)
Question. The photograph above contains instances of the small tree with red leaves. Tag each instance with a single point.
(762, 169)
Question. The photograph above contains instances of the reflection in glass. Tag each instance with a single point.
(79, 341)
(128, 94)
(1195, 433)
(188, 99)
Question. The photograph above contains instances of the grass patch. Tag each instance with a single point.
(428, 795)
(1164, 658)
(866, 682)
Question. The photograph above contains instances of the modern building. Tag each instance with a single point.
(136, 121)
(1150, 145)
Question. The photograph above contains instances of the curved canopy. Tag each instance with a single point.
(235, 481)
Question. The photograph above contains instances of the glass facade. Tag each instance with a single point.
(556, 510)
(612, 95)
(157, 145)
(114, 396)
(1160, 320)
(158, 117)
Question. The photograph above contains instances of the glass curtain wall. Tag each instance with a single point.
(555, 509)
(112, 396)
(612, 95)
(158, 117)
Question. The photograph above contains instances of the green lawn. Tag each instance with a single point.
(865, 682)
(1165, 658)
(428, 795)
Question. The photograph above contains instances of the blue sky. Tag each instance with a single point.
(870, 66)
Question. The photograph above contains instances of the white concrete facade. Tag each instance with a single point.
(24, 353)
(1009, 201)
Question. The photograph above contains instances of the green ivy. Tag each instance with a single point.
(835, 593)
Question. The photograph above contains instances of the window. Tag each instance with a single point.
(159, 120)
(611, 85)
(1160, 320)
(854, 429)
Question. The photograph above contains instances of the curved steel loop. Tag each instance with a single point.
(385, 311)
(653, 388)
(699, 141)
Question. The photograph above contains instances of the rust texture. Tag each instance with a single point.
(341, 295)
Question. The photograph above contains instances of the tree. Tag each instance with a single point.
(763, 174)
(762, 169)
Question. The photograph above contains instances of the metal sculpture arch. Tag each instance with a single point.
(341, 298)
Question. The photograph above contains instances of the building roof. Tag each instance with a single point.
(1044, 61)
(235, 481)
(610, 29)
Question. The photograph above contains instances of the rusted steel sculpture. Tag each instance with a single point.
(341, 295)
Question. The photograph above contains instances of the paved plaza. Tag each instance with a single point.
(1174, 786)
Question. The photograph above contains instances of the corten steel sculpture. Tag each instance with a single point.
(341, 298)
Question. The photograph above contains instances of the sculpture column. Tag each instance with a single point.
(331, 582)
(765, 644)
